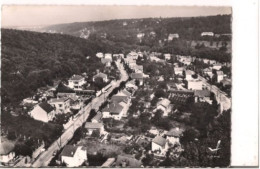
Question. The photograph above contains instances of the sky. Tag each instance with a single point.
(29, 15)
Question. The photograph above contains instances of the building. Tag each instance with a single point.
(188, 75)
(178, 70)
(108, 56)
(167, 56)
(76, 82)
(164, 105)
(127, 161)
(140, 35)
(100, 55)
(64, 91)
(132, 55)
(106, 62)
(173, 36)
(94, 127)
(160, 145)
(207, 34)
(220, 76)
(131, 85)
(113, 110)
(97, 118)
(7, 153)
(208, 72)
(174, 135)
(43, 112)
(195, 85)
(202, 96)
(103, 76)
(61, 105)
(73, 156)
(138, 76)
(217, 66)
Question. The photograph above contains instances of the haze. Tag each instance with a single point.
(47, 15)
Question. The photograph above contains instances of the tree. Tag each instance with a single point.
(22, 149)
(91, 114)
(160, 93)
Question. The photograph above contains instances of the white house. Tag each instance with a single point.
(173, 36)
(188, 75)
(113, 110)
(217, 66)
(100, 55)
(167, 56)
(207, 34)
(74, 156)
(174, 135)
(6, 152)
(195, 85)
(43, 112)
(164, 105)
(160, 145)
(220, 76)
(76, 82)
(61, 105)
(178, 70)
(108, 56)
(94, 127)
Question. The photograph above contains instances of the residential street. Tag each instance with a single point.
(46, 156)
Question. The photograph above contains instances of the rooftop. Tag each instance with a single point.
(202, 93)
(102, 75)
(69, 150)
(137, 75)
(90, 125)
(220, 73)
(118, 98)
(46, 107)
(76, 77)
(61, 88)
(164, 102)
(113, 107)
(159, 140)
(176, 132)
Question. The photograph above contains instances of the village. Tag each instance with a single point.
(132, 113)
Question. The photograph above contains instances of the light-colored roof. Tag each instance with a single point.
(113, 108)
(220, 73)
(118, 98)
(102, 75)
(76, 77)
(159, 140)
(97, 117)
(164, 102)
(90, 125)
(137, 75)
(202, 93)
(69, 150)
(6, 147)
(176, 132)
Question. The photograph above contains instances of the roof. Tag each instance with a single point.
(98, 116)
(105, 60)
(61, 88)
(164, 102)
(102, 75)
(202, 93)
(188, 72)
(159, 140)
(55, 100)
(6, 147)
(90, 125)
(69, 150)
(127, 93)
(76, 77)
(46, 107)
(113, 107)
(220, 73)
(130, 161)
(137, 75)
(178, 69)
(176, 132)
(207, 70)
(118, 98)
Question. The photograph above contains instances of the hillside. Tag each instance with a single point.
(31, 60)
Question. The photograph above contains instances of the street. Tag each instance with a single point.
(46, 156)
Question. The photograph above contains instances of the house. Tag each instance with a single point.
(73, 156)
(125, 93)
(164, 105)
(113, 110)
(174, 135)
(7, 153)
(97, 118)
(167, 56)
(140, 35)
(64, 91)
(195, 85)
(207, 34)
(76, 102)
(217, 66)
(123, 101)
(138, 76)
(160, 145)
(100, 55)
(188, 75)
(76, 82)
(178, 70)
(208, 72)
(94, 127)
(43, 112)
(220, 76)
(108, 56)
(103, 76)
(127, 161)
(173, 36)
(131, 85)
(202, 96)
(61, 105)
(106, 61)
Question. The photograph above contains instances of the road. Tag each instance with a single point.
(44, 158)
(221, 97)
